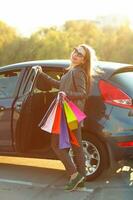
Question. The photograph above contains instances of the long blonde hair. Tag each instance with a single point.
(90, 57)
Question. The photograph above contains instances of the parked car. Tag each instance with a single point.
(108, 128)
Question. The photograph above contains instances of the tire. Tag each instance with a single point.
(96, 157)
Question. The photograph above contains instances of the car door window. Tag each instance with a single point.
(8, 82)
(28, 81)
(53, 73)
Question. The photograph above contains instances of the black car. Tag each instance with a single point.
(108, 128)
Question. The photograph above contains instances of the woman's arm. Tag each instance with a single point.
(53, 82)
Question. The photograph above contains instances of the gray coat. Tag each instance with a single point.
(73, 83)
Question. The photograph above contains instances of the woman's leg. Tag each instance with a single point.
(63, 155)
(79, 157)
(76, 170)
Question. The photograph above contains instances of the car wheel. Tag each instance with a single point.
(95, 157)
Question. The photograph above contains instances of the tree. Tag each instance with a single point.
(7, 37)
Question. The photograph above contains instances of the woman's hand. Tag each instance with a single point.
(61, 95)
(39, 68)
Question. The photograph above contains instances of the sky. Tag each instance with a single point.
(27, 16)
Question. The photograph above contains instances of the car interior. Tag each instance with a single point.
(29, 136)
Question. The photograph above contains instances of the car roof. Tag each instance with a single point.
(49, 63)
(106, 68)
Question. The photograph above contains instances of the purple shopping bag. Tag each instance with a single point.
(64, 141)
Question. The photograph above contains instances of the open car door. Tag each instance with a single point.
(22, 110)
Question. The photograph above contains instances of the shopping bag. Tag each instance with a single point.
(42, 122)
(64, 141)
(70, 116)
(57, 120)
(48, 124)
(73, 139)
(78, 113)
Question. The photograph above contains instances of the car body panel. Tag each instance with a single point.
(5, 122)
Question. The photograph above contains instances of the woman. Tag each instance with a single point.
(74, 84)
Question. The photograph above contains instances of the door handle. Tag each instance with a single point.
(2, 108)
(18, 105)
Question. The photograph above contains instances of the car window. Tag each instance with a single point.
(55, 74)
(125, 81)
(27, 82)
(8, 82)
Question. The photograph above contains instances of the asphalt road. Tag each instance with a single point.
(30, 179)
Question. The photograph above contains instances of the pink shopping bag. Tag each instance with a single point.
(42, 122)
(47, 124)
(78, 113)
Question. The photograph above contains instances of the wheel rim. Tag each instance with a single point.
(92, 157)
